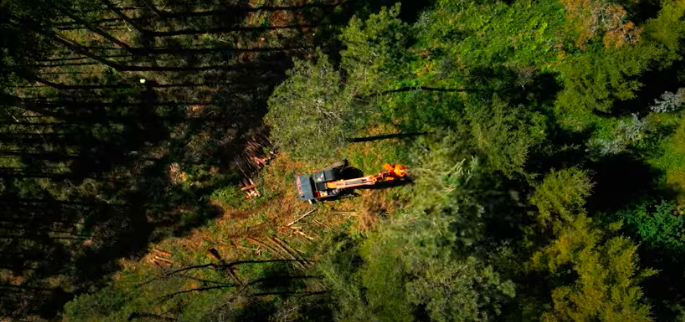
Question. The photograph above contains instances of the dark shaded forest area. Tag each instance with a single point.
(545, 142)
(105, 102)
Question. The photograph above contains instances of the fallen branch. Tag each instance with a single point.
(163, 259)
(265, 246)
(289, 248)
(286, 253)
(235, 276)
(340, 212)
(161, 265)
(244, 288)
(304, 235)
(320, 223)
(298, 219)
(247, 248)
(161, 252)
(250, 187)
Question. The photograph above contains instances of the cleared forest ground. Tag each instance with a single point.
(242, 231)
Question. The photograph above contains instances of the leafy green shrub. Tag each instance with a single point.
(376, 52)
(656, 225)
(596, 278)
(407, 267)
(627, 132)
(561, 193)
(633, 128)
(90, 307)
(306, 112)
(605, 146)
(502, 133)
(229, 196)
(321, 105)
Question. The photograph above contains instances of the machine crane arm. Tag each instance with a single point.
(390, 173)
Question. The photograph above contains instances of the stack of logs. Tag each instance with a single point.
(250, 188)
(252, 160)
(161, 258)
(255, 156)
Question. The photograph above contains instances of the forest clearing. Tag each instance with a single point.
(150, 150)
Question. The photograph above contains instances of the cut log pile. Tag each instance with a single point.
(250, 188)
(161, 258)
(257, 153)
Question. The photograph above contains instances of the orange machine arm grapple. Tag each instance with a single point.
(390, 173)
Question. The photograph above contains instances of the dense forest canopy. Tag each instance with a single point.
(545, 142)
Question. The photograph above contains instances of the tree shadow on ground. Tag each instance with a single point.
(351, 173)
(142, 159)
(621, 179)
(663, 289)
(516, 86)
(263, 297)
(654, 83)
(386, 137)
